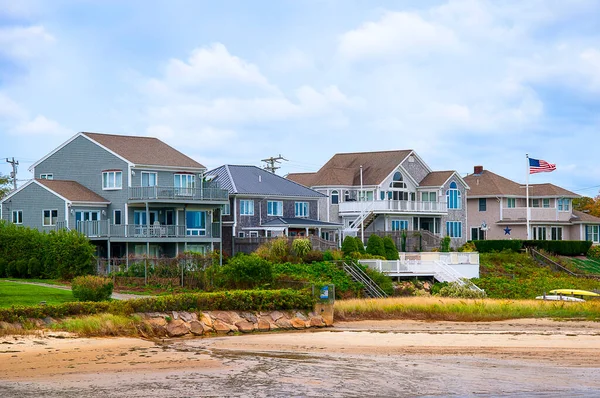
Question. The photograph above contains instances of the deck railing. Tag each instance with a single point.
(178, 193)
(393, 206)
(103, 229)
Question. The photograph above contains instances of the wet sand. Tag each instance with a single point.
(368, 358)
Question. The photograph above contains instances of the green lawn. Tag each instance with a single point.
(588, 265)
(12, 293)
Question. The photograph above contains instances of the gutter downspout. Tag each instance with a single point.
(233, 229)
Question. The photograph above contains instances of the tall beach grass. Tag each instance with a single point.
(462, 310)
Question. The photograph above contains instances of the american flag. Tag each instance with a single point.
(540, 166)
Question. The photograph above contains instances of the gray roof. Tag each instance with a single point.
(252, 180)
(305, 222)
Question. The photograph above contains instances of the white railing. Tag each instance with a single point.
(445, 264)
(394, 206)
(537, 214)
(103, 229)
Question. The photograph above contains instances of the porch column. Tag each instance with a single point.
(306, 231)
(127, 254)
(147, 229)
(418, 223)
(108, 254)
(221, 236)
(319, 232)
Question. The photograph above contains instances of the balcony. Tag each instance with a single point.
(103, 230)
(176, 194)
(393, 206)
(537, 214)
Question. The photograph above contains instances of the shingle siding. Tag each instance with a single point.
(416, 169)
(32, 200)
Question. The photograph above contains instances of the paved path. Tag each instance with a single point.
(116, 296)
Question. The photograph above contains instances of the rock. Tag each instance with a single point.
(284, 323)
(275, 315)
(198, 328)
(250, 317)
(264, 325)
(157, 322)
(175, 315)
(223, 328)
(49, 320)
(206, 319)
(298, 323)
(177, 328)
(245, 326)
(186, 316)
(300, 315)
(222, 316)
(273, 326)
(317, 321)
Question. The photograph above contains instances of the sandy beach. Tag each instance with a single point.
(367, 358)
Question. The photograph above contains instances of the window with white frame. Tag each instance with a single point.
(535, 203)
(546, 203)
(47, 176)
(112, 179)
(49, 217)
(149, 179)
(254, 234)
(398, 181)
(200, 249)
(226, 209)
(454, 229)
(482, 204)
(399, 225)
(117, 217)
(17, 216)
(184, 184)
(246, 207)
(241, 235)
(274, 208)
(511, 203)
(301, 209)
(592, 232)
(564, 204)
(539, 233)
(428, 196)
(556, 233)
(453, 196)
(335, 197)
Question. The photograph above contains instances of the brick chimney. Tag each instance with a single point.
(478, 170)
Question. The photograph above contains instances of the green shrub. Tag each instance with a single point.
(360, 246)
(594, 252)
(34, 268)
(375, 246)
(403, 241)
(349, 245)
(92, 288)
(381, 279)
(561, 247)
(245, 272)
(455, 289)
(468, 247)
(301, 246)
(21, 266)
(490, 246)
(235, 300)
(3, 265)
(11, 269)
(391, 251)
(280, 249)
(445, 244)
(313, 256)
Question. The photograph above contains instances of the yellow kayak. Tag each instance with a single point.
(574, 292)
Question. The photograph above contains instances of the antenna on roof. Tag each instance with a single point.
(272, 162)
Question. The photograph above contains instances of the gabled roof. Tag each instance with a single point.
(302, 178)
(581, 217)
(344, 168)
(144, 150)
(252, 180)
(72, 191)
(436, 178)
(492, 184)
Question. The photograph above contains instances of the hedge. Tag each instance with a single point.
(560, 247)
(235, 300)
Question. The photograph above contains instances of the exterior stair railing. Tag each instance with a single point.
(355, 272)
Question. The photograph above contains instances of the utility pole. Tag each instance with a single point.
(13, 174)
(271, 163)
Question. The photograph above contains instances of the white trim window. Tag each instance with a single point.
(564, 204)
(149, 179)
(17, 217)
(556, 233)
(47, 176)
(335, 197)
(511, 203)
(112, 179)
(49, 217)
(254, 234)
(546, 203)
(226, 210)
(454, 229)
(399, 225)
(274, 208)
(184, 184)
(117, 217)
(246, 207)
(301, 209)
(539, 233)
(592, 232)
(453, 198)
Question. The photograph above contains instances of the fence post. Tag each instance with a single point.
(146, 271)
(182, 263)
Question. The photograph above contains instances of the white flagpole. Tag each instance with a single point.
(527, 196)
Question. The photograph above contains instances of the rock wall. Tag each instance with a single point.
(177, 324)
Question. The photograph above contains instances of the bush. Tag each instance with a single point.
(236, 300)
(11, 269)
(360, 246)
(561, 247)
(246, 272)
(455, 289)
(92, 288)
(349, 245)
(34, 268)
(593, 252)
(490, 246)
(3, 265)
(313, 256)
(21, 268)
(391, 251)
(445, 244)
(468, 247)
(403, 241)
(301, 246)
(375, 246)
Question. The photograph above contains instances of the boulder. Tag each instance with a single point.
(317, 321)
(223, 328)
(157, 322)
(177, 328)
(186, 316)
(245, 326)
(283, 323)
(264, 325)
(276, 315)
(298, 323)
(198, 328)
(206, 319)
(250, 317)
(174, 315)
(300, 315)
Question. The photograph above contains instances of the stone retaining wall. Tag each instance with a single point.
(177, 324)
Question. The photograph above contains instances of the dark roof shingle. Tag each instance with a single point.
(436, 178)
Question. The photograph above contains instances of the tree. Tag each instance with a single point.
(391, 251)
(375, 246)
(588, 205)
(5, 185)
(360, 246)
(349, 245)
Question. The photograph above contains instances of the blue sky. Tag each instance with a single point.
(462, 82)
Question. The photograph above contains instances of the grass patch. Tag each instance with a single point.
(102, 325)
(589, 265)
(462, 310)
(19, 294)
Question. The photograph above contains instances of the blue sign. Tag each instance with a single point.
(324, 293)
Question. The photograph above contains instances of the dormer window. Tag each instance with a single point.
(398, 181)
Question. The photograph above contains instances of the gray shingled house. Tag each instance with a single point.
(263, 205)
(130, 195)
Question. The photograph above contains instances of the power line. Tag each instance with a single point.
(14, 163)
(272, 162)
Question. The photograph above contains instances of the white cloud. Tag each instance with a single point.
(292, 60)
(40, 126)
(396, 33)
(24, 42)
(10, 110)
